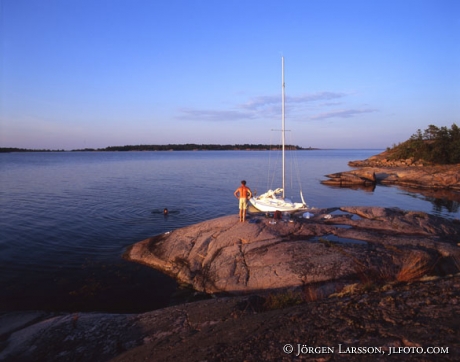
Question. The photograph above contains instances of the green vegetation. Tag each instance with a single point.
(435, 145)
(14, 149)
(195, 147)
(283, 300)
(170, 147)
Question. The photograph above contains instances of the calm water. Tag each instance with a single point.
(66, 218)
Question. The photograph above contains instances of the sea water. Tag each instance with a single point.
(67, 217)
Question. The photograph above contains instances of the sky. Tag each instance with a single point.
(359, 74)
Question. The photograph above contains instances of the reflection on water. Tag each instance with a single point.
(444, 202)
(67, 218)
(357, 187)
(440, 205)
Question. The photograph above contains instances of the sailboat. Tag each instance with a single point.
(274, 200)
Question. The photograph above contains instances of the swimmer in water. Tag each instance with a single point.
(165, 211)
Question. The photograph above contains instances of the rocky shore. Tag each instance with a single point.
(380, 169)
(352, 279)
(332, 247)
(402, 322)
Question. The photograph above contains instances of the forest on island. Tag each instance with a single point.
(169, 147)
(436, 145)
(197, 147)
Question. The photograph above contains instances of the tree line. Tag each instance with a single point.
(15, 149)
(437, 145)
(169, 147)
(193, 147)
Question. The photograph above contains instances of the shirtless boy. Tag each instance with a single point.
(244, 194)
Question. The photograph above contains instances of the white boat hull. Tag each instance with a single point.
(269, 202)
(276, 205)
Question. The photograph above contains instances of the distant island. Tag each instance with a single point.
(15, 149)
(170, 147)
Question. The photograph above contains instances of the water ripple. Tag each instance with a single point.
(66, 218)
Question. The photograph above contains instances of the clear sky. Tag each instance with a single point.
(98, 73)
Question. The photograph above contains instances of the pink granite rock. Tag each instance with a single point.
(224, 255)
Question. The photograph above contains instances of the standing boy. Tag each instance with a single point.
(244, 194)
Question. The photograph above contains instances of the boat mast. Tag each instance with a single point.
(282, 120)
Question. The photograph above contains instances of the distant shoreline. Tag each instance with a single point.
(169, 147)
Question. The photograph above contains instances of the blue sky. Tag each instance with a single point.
(359, 74)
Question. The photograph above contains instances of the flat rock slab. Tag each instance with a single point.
(427, 177)
(334, 246)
